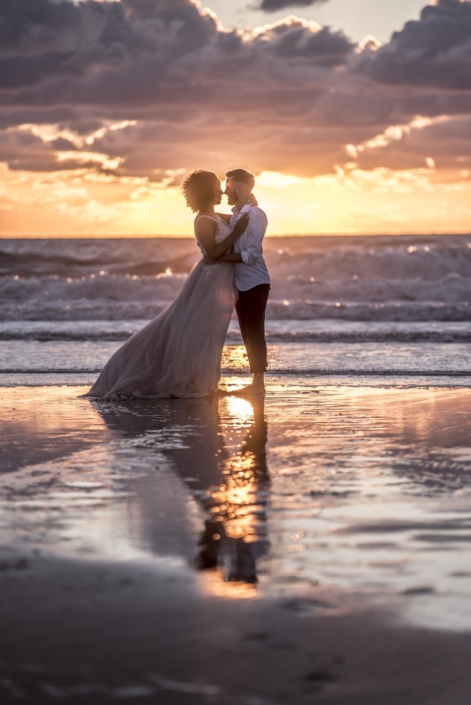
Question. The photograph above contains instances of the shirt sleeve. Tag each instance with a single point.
(253, 238)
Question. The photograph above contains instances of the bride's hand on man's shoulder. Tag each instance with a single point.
(252, 201)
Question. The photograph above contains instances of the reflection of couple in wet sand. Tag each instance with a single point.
(231, 483)
(235, 533)
(178, 354)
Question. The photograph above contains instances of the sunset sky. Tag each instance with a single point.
(355, 115)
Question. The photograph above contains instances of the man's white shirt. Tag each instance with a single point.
(252, 271)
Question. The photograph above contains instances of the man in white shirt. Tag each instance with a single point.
(251, 274)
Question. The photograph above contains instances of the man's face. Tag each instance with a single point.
(231, 192)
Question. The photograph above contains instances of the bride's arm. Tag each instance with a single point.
(206, 232)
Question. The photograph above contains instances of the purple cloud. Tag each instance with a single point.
(433, 51)
(184, 91)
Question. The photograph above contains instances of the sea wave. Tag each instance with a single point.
(352, 279)
(332, 258)
(233, 337)
(59, 302)
(282, 371)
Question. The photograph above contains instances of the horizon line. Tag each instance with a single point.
(192, 237)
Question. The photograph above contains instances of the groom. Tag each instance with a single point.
(251, 275)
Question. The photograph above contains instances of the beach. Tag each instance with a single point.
(180, 524)
(311, 546)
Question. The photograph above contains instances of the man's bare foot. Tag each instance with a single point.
(251, 390)
(223, 392)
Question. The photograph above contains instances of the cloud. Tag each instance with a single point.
(40, 39)
(287, 97)
(295, 38)
(441, 143)
(434, 51)
(276, 5)
(170, 68)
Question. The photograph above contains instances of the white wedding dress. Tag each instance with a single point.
(178, 354)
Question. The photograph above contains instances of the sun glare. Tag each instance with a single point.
(240, 409)
(352, 200)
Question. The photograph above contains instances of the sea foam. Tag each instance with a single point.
(351, 279)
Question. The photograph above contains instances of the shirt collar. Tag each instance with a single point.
(245, 209)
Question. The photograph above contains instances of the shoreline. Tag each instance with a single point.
(274, 382)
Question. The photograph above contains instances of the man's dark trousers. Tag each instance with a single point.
(250, 308)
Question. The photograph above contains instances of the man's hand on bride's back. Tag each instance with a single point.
(241, 225)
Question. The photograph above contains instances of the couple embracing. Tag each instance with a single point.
(178, 354)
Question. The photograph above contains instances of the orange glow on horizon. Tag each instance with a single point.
(351, 201)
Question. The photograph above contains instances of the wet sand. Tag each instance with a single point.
(314, 548)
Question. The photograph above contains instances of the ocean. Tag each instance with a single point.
(386, 309)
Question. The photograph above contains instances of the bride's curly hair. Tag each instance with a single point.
(198, 189)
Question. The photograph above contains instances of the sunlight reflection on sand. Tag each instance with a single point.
(366, 490)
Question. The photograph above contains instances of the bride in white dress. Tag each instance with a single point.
(178, 354)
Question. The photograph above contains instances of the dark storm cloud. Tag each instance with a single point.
(276, 5)
(40, 38)
(295, 39)
(286, 97)
(433, 51)
(33, 26)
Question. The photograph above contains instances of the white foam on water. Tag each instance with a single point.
(363, 279)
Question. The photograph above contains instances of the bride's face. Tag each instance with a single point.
(217, 193)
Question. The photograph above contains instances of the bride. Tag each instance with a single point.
(178, 354)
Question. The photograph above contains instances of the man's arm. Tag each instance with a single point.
(236, 257)
(253, 239)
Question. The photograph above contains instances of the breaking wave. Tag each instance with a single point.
(337, 278)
